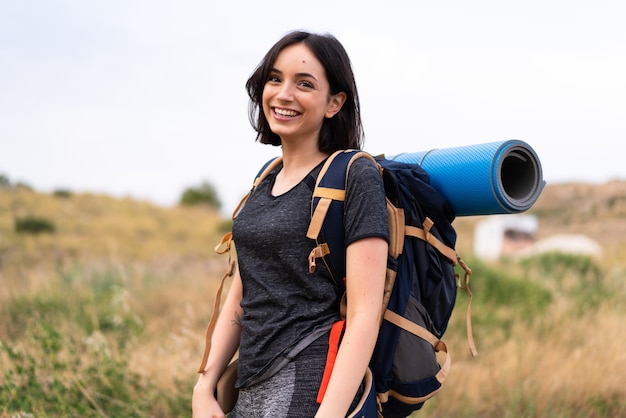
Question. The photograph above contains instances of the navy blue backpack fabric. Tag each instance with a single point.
(425, 287)
(424, 271)
(424, 291)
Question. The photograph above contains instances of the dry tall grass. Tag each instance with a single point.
(564, 362)
(564, 366)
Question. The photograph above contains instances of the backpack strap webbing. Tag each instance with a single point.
(438, 346)
(323, 199)
(468, 314)
(225, 246)
(325, 196)
(265, 170)
(425, 235)
(450, 254)
(424, 334)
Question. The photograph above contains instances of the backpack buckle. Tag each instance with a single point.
(318, 252)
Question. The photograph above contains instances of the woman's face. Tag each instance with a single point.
(296, 96)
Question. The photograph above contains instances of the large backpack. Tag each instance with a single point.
(420, 283)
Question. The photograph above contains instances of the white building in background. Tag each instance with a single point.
(504, 235)
(577, 244)
(500, 235)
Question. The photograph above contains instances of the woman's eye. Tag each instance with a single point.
(306, 84)
(273, 79)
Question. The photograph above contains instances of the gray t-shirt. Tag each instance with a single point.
(286, 307)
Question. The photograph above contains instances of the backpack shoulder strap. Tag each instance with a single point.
(326, 226)
(224, 247)
(267, 168)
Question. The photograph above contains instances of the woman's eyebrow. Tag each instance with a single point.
(306, 75)
(277, 71)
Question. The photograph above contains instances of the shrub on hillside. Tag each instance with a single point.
(498, 287)
(62, 193)
(205, 193)
(33, 225)
(575, 275)
(66, 350)
(5, 183)
(501, 299)
(23, 186)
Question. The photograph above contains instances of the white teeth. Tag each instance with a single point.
(285, 112)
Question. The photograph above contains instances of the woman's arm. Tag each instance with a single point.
(224, 344)
(366, 263)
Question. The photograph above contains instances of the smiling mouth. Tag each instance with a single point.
(285, 112)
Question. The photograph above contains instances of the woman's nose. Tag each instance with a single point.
(285, 92)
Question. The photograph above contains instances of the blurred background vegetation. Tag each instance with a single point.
(104, 304)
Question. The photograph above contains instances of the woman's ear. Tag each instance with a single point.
(335, 103)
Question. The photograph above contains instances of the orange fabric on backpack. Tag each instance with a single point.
(333, 348)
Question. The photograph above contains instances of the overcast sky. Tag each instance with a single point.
(145, 98)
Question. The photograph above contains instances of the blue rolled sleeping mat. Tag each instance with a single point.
(483, 179)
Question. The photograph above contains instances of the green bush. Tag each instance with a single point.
(33, 225)
(205, 193)
(496, 287)
(70, 359)
(62, 193)
(573, 275)
(53, 379)
(23, 186)
(558, 267)
(5, 183)
(500, 300)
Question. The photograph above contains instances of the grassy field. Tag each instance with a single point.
(105, 315)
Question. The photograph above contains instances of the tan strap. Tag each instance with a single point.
(216, 310)
(390, 280)
(427, 236)
(454, 259)
(240, 205)
(327, 195)
(317, 219)
(411, 327)
(368, 382)
(410, 400)
(440, 376)
(396, 229)
(225, 246)
(325, 167)
(426, 335)
(318, 252)
(468, 314)
(271, 166)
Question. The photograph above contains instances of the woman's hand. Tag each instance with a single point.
(224, 343)
(366, 262)
(203, 402)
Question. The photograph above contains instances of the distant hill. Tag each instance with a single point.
(595, 210)
(90, 225)
(99, 227)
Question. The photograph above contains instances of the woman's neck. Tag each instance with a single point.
(296, 165)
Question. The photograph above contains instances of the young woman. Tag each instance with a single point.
(303, 98)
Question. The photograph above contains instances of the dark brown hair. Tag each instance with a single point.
(342, 131)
